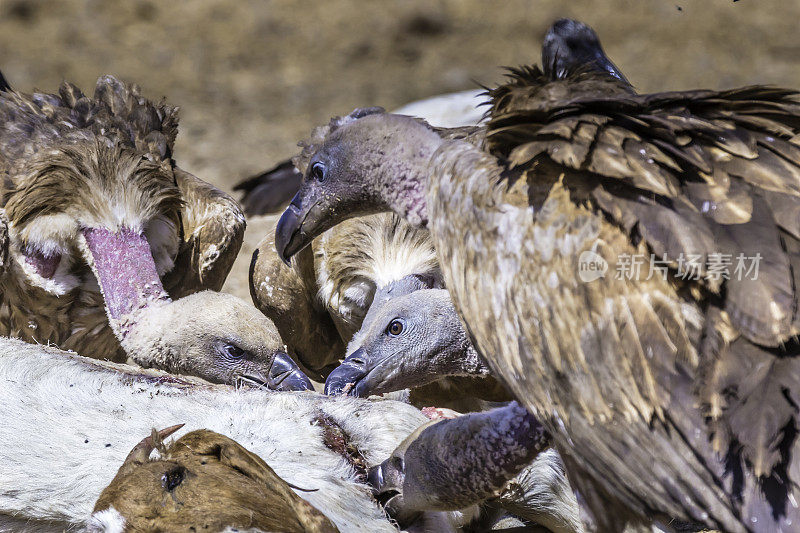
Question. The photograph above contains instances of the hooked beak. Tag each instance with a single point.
(284, 375)
(347, 377)
(387, 489)
(602, 62)
(297, 227)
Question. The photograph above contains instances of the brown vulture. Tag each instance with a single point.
(671, 394)
(100, 230)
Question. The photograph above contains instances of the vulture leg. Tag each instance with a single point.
(283, 296)
(453, 464)
(213, 230)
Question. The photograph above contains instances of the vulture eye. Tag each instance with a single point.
(318, 171)
(233, 351)
(395, 328)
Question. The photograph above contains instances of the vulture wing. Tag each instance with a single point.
(4, 242)
(271, 190)
(709, 176)
(703, 175)
(213, 229)
(288, 296)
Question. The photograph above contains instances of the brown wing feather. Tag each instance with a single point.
(699, 160)
(288, 296)
(213, 229)
(692, 173)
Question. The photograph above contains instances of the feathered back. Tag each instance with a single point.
(726, 162)
(101, 159)
(377, 249)
(706, 176)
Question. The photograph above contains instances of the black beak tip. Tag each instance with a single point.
(343, 380)
(285, 375)
(375, 478)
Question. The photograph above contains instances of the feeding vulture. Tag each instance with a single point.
(269, 191)
(671, 396)
(320, 301)
(412, 339)
(100, 230)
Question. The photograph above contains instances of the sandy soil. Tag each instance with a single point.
(252, 77)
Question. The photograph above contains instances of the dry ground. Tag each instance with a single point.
(252, 77)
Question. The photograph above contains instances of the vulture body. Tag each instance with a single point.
(64, 464)
(671, 397)
(100, 230)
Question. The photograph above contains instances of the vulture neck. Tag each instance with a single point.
(124, 266)
(404, 174)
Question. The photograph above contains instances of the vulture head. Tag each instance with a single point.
(367, 165)
(204, 481)
(569, 45)
(408, 341)
(373, 161)
(95, 204)
(216, 336)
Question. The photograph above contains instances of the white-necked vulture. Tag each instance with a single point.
(100, 230)
(673, 397)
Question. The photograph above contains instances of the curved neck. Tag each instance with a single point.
(126, 272)
(404, 173)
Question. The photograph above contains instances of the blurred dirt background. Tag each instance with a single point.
(252, 77)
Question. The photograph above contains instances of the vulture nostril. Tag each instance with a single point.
(173, 478)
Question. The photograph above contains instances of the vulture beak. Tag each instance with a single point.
(284, 375)
(359, 376)
(348, 378)
(602, 62)
(387, 489)
(303, 220)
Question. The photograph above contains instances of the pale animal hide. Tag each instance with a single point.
(69, 422)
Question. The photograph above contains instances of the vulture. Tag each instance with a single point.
(672, 395)
(269, 191)
(108, 248)
(412, 338)
(64, 464)
(320, 301)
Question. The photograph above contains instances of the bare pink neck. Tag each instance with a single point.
(125, 270)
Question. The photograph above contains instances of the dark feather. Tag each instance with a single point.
(270, 191)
